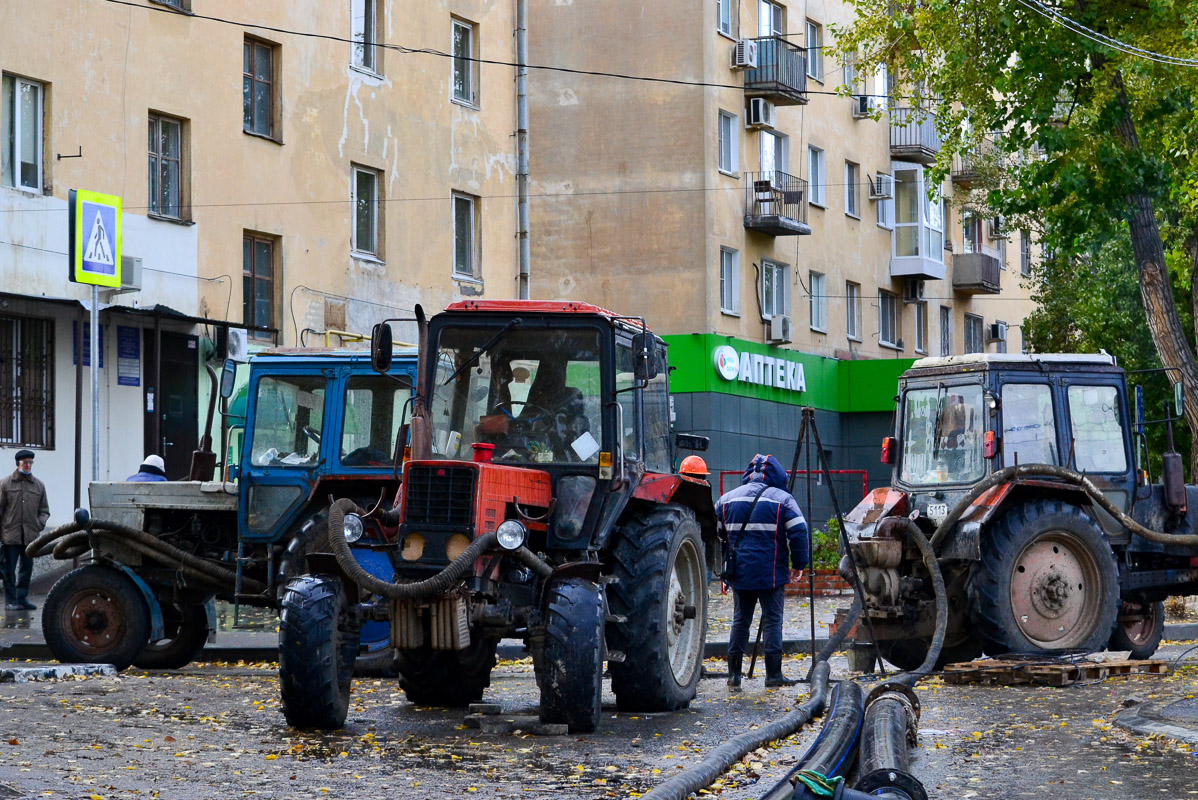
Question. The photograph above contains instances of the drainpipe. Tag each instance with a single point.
(522, 145)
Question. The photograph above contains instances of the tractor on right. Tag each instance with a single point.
(1026, 474)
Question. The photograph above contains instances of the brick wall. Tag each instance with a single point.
(827, 582)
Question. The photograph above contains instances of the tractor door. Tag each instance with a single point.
(1098, 433)
(1030, 433)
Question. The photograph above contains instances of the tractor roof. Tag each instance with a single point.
(540, 307)
(285, 354)
(1003, 359)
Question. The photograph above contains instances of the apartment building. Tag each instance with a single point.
(755, 215)
(282, 172)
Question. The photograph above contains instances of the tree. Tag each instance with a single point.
(1093, 145)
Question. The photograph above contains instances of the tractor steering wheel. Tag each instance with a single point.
(311, 433)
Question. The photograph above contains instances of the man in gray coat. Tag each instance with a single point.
(23, 515)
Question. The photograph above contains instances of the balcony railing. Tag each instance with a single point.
(972, 166)
(912, 140)
(776, 203)
(976, 273)
(781, 72)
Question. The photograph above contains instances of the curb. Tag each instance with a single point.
(1147, 720)
(1181, 631)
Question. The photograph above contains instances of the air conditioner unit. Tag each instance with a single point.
(996, 228)
(130, 278)
(881, 187)
(864, 105)
(913, 290)
(761, 114)
(780, 328)
(744, 54)
(238, 346)
(996, 332)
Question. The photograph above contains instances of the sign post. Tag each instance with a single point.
(95, 245)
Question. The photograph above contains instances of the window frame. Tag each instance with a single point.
(977, 321)
(891, 300)
(468, 63)
(730, 281)
(12, 121)
(363, 56)
(818, 302)
(852, 323)
(731, 138)
(816, 177)
(884, 207)
(852, 189)
(154, 205)
(921, 327)
(779, 280)
(273, 132)
(1025, 254)
(946, 330)
(780, 155)
(815, 63)
(18, 379)
(474, 274)
(777, 18)
(376, 206)
(249, 298)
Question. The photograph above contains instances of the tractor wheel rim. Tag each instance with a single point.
(684, 612)
(94, 621)
(1138, 621)
(1055, 591)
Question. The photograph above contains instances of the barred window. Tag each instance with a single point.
(27, 382)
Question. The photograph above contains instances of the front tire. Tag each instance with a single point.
(186, 634)
(96, 615)
(1046, 582)
(570, 670)
(318, 641)
(1139, 628)
(446, 677)
(661, 593)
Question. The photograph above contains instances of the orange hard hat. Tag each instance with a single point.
(693, 465)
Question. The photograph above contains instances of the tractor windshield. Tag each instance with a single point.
(533, 395)
(942, 435)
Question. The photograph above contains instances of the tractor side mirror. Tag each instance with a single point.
(889, 449)
(689, 441)
(228, 377)
(380, 347)
(1179, 399)
(644, 349)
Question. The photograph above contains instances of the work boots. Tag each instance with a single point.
(773, 671)
(734, 664)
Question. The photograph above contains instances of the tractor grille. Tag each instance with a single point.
(439, 495)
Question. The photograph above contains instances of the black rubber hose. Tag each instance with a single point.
(929, 559)
(1069, 476)
(419, 590)
(837, 639)
(705, 772)
(891, 729)
(830, 753)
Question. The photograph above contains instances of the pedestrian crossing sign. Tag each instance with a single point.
(95, 236)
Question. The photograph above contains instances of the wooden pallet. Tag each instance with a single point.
(1046, 673)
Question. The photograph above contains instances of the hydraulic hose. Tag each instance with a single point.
(705, 772)
(891, 729)
(68, 539)
(830, 753)
(419, 590)
(1009, 474)
(937, 644)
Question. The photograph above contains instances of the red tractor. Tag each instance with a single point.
(538, 502)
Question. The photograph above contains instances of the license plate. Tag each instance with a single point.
(937, 512)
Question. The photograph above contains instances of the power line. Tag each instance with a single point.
(1101, 38)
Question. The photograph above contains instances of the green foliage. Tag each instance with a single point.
(825, 546)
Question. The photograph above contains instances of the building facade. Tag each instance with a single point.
(287, 168)
(739, 186)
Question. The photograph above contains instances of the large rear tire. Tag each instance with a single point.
(186, 629)
(661, 594)
(1139, 628)
(570, 671)
(318, 641)
(1046, 582)
(445, 677)
(96, 615)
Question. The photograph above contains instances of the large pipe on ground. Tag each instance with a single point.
(891, 729)
(830, 753)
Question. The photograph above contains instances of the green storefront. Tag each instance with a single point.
(747, 397)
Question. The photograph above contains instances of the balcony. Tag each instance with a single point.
(911, 140)
(781, 72)
(776, 204)
(969, 168)
(976, 273)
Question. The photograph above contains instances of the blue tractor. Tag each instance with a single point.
(316, 425)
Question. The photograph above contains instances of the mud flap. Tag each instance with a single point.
(156, 627)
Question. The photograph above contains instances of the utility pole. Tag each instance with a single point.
(522, 146)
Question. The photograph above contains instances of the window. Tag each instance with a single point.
(726, 17)
(921, 327)
(258, 87)
(166, 167)
(973, 334)
(819, 302)
(971, 232)
(918, 220)
(852, 293)
(21, 117)
(372, 413)
(1029, 428)
(774, 296)
(1097, 429)
(885, 206)
(775, 153)
(465, 80)
(849, 71)
(363, 18)
(258, 284)
(815, 175)
(1025, 253)
(946, 331)
(465, 243)
(26, 382)
(728, 145)
(852, 202)
(771, 19)
(815, 51)
(288, 419)
(729, 281)
(888, 319)
(366, 206)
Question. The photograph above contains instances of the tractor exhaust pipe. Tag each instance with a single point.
(422, 432)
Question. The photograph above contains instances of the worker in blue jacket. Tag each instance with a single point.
(762, 525)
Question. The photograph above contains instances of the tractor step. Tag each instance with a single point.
(616, 656)
(1049, 672)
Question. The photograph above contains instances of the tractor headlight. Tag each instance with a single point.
(353, 528)
(511, 534)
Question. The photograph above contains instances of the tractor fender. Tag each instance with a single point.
(156, 627)
(327, 564)
(695, 494)
(965, 540)
(210, 613)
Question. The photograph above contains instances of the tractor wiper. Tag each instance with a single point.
(940, 405)
(480, 352)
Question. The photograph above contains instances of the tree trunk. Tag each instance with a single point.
(1155, 289)
(1191, 245)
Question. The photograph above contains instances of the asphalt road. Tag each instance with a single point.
(215, 731)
